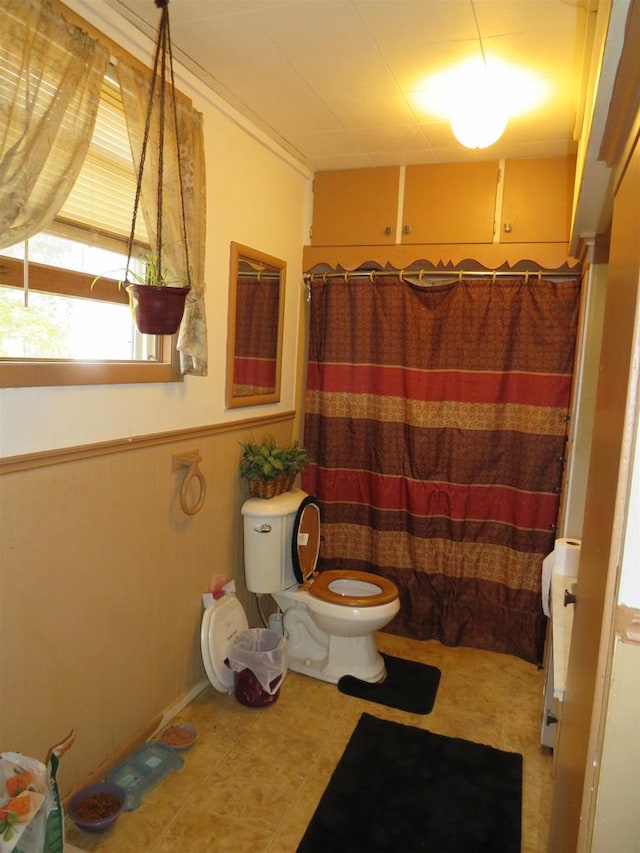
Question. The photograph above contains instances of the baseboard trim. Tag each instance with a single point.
(148, 733)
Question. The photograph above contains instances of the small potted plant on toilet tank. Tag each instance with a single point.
(270, 470)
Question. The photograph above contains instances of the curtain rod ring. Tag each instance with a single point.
(459, 276)
(346, 277)
(324, 278)
(402, 276)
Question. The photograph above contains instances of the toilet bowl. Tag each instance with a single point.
(330, 617)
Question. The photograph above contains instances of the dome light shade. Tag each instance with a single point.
(479, 119)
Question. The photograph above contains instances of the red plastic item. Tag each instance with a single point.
(249, 691)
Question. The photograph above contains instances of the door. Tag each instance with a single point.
(450, 203)
(589, 657)
(355, 207)
(537, 200)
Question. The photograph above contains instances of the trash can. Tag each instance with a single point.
(258, 658)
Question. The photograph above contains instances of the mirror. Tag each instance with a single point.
(256, 312)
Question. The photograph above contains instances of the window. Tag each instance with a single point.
(63, 318)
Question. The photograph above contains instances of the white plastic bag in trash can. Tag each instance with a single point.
(262, 651)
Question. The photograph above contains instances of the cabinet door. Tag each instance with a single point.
(450, 203)
(537, 200)
(355, 207)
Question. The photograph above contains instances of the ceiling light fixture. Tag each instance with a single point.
(479, 116)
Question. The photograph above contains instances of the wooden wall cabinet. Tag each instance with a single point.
(450, 203)
(537, 200)
(355, 207)
(445, 204)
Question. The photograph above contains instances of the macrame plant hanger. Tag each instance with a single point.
(166, 302)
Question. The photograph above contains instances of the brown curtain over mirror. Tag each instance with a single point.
(436, 417)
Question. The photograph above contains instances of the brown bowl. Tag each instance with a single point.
(178, 736)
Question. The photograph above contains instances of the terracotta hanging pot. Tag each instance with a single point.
(157, 310)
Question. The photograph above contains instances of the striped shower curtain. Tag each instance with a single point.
(436, 417)
(256, 334)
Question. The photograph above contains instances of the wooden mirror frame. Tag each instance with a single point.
(262, 264)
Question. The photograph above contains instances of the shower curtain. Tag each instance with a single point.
(256, 334)
(436, 417)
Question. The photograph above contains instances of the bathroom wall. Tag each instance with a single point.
(101, 573)
(101, 576)
(257, 195)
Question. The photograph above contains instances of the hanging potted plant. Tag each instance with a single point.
(157, 300)
(271, 470)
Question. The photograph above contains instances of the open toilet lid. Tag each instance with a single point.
(220, 624)
(305, 539)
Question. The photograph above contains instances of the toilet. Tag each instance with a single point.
(329, 618)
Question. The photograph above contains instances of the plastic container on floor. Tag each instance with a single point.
(258, 658)
(143, 769)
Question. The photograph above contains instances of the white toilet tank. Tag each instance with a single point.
(268, 529)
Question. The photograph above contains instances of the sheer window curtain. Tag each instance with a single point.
(49, 95)
(192, 339)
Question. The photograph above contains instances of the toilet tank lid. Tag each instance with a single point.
(286, 503)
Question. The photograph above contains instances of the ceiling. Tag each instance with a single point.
(334, 81)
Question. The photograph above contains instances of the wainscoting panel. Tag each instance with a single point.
(101, 576)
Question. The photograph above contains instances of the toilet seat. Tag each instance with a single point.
(220, 624)
(335, 586)
(353, 589)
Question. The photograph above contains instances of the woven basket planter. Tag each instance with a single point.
(271, 488)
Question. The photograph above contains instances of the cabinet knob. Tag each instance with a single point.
(406, 229)
(507, 228)
(388, 230)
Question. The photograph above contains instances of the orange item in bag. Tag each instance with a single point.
(22, 806)
(18, 783)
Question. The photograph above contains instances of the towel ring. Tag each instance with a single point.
(191, 461)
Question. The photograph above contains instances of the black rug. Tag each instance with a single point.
(399, 788)
(409, 686)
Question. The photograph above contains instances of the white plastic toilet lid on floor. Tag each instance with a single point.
(220, 624)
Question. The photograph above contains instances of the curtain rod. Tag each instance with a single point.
(259, 275)
(446, 274)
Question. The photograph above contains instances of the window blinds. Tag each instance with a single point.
(103, 196)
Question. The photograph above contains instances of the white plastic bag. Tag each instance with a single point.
(30, 810)
(262, 651)
(23, 802)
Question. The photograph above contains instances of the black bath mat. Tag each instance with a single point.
(400, 788)
(409, 686)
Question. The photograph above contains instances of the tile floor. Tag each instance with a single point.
(253, 779)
